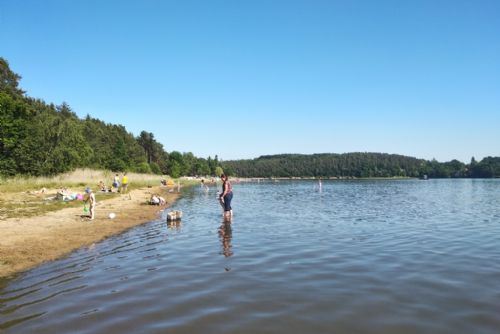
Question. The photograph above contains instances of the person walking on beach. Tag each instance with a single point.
(124, 183)
(91, 200)
(226, 196)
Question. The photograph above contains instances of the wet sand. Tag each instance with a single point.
(28, 242)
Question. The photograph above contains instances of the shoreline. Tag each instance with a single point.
(312, 178)
(29, 242)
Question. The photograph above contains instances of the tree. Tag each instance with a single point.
(54, 145)
(175, 162)
(219, 171)
(175, 169)
(15, 115)
(9, 81)
(201, 167)
(154, 168)
(146, 140)
(42, 139)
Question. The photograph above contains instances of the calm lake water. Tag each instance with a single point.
(402, 256)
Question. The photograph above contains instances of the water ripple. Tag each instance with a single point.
(358, 257)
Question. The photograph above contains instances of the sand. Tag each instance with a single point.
(28, 242)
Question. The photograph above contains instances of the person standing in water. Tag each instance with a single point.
(226, 196)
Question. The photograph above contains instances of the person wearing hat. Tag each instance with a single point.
(91, 200)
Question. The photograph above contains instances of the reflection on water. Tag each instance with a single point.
(174, 225)
(225, 235)
(352, 257)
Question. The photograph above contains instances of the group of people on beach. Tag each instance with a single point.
(116, 186)
(90, 200)
(120, 186)
(225, 197)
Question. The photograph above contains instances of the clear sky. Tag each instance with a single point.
(247, 78)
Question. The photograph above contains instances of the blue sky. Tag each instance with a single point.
(247, 78)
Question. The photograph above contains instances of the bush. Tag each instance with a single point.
(155, 169)
(143, 168)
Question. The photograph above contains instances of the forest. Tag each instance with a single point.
(360, 165)
(39, 138)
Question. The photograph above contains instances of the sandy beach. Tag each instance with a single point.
(28, 242)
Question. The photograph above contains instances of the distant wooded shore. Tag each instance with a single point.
(359, 165)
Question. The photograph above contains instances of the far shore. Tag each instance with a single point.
(30, 241)
(339, 178)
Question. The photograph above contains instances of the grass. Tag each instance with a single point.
(18, 198)
(32, 207)
(77, 178)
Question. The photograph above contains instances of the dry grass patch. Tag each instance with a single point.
(21, 196)
(79, 177)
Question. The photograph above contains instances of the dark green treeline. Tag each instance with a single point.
(359, 165)
(37, 138)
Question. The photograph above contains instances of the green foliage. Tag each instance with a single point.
(37, 138)
(201, 167)
(488, 167)
(175, 169)
(212, 165)
(14, 117)
(155, 169)
(9, 80)
(54, 143)
(357, 165)
(219, 171)
(143, 167)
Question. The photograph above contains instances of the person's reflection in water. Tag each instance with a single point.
(174, 225)
(225, 235)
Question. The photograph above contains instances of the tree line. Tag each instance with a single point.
(360, 165)
(38, 138)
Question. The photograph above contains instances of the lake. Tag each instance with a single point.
(361, 256)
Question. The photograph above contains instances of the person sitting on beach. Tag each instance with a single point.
(63, 191)
(162, 200)
(157, 200)
(102, 186)
(154, 200)
(66, 194)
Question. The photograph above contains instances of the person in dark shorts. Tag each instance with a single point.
(226, 196)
